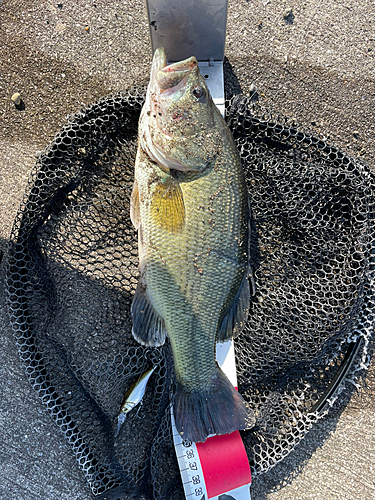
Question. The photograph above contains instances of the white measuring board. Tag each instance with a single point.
(217, 469)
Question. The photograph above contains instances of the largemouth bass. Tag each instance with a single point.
(190, 206)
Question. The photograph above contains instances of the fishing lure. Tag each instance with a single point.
(133, 397)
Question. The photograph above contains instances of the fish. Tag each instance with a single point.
(133, 397)
(190, 206)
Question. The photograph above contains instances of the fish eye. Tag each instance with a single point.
(198, 92)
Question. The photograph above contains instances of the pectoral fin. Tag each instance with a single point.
(148, 326)
(135, 216)
(167, 209)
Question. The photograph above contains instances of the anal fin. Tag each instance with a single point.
(148, 326)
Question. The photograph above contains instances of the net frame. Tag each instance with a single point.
(72, 270)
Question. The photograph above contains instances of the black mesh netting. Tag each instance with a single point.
(73, 269)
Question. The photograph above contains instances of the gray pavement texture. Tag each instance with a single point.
(60, 56)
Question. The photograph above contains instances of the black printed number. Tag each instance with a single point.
(190, 454)
(193, 465)
(198, 491)
(195, 479)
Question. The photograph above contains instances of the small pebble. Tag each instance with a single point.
(16, 98)
(87, 28)
(288, 16)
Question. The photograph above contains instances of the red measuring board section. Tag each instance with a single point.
(224, 463)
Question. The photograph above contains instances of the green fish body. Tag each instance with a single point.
(190, 206)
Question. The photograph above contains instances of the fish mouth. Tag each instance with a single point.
(159, 61)
(175, 74)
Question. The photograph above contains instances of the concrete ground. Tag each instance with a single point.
(318, 69)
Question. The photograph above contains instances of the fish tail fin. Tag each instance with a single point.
(217, 410)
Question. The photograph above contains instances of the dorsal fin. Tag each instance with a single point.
(235, 317)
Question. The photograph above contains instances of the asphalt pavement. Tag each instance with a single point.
(310, 60)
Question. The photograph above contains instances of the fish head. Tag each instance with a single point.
(180, 126)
